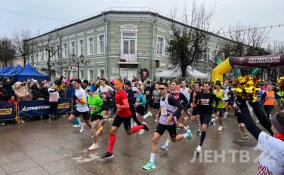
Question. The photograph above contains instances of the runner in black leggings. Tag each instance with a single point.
(131, 101)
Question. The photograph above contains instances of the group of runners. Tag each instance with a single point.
(173, 104)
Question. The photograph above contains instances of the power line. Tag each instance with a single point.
(255, 28)
(32, 14)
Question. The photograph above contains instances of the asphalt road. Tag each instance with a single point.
(55, 147)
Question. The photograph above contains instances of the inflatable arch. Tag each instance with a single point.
(245, 62)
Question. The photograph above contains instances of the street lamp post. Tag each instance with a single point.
(77, 60)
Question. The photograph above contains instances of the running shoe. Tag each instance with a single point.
(141, 132)
(220, 129)
(145, 126)
(107, 155)
(189, 137)
(186, 127)
(164, 147)
(198, 149)
(93, 147)
(100, 130)
(76, 126)
(198, 133)
(226, 115)
(245, 138)
(149, 166)
(150, 114)
(82, 128)
(212, 122)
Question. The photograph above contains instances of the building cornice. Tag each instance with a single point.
(146, 16)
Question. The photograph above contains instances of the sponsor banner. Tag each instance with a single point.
(64, 106)
(7, 111)
(258, 61)
(41, 107)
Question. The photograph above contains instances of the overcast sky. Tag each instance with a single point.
(44, 15)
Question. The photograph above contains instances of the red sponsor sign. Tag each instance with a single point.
(258, 61)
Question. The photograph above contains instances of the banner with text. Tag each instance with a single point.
(41, 107)
(7, 111)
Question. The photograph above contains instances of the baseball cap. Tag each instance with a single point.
(91, 88)
(218, 83)
(128, 83)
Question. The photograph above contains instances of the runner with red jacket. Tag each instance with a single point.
(123, 115)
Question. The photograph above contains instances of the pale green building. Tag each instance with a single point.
(115, 44)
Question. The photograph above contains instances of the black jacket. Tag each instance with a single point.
(44, 93)
(131, 98)
(3, 95)
(35, 92)
(8, 86)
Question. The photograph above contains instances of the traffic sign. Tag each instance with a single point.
(72, 68)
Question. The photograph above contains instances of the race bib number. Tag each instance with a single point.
(147, 92)
(93, 108)
(164, 111)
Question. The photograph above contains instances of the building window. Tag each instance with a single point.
(81, 47)
(101, 44)
(158, 63)
(45, 55)
(41, 54)
(101, 72)
(160, 46)
(81, 74)
(91, 75)
(57, 52)
(129, 40)
(91, 46)
(64, 50)
(72, 47)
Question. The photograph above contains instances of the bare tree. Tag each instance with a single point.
(50, 45)
(24, 48)
(276, 47)
(188, 42)
(7, 51)
(249, 40)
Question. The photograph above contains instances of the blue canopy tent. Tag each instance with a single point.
(13, 72)
(29, 72)
(3, 69)
(9, 69)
